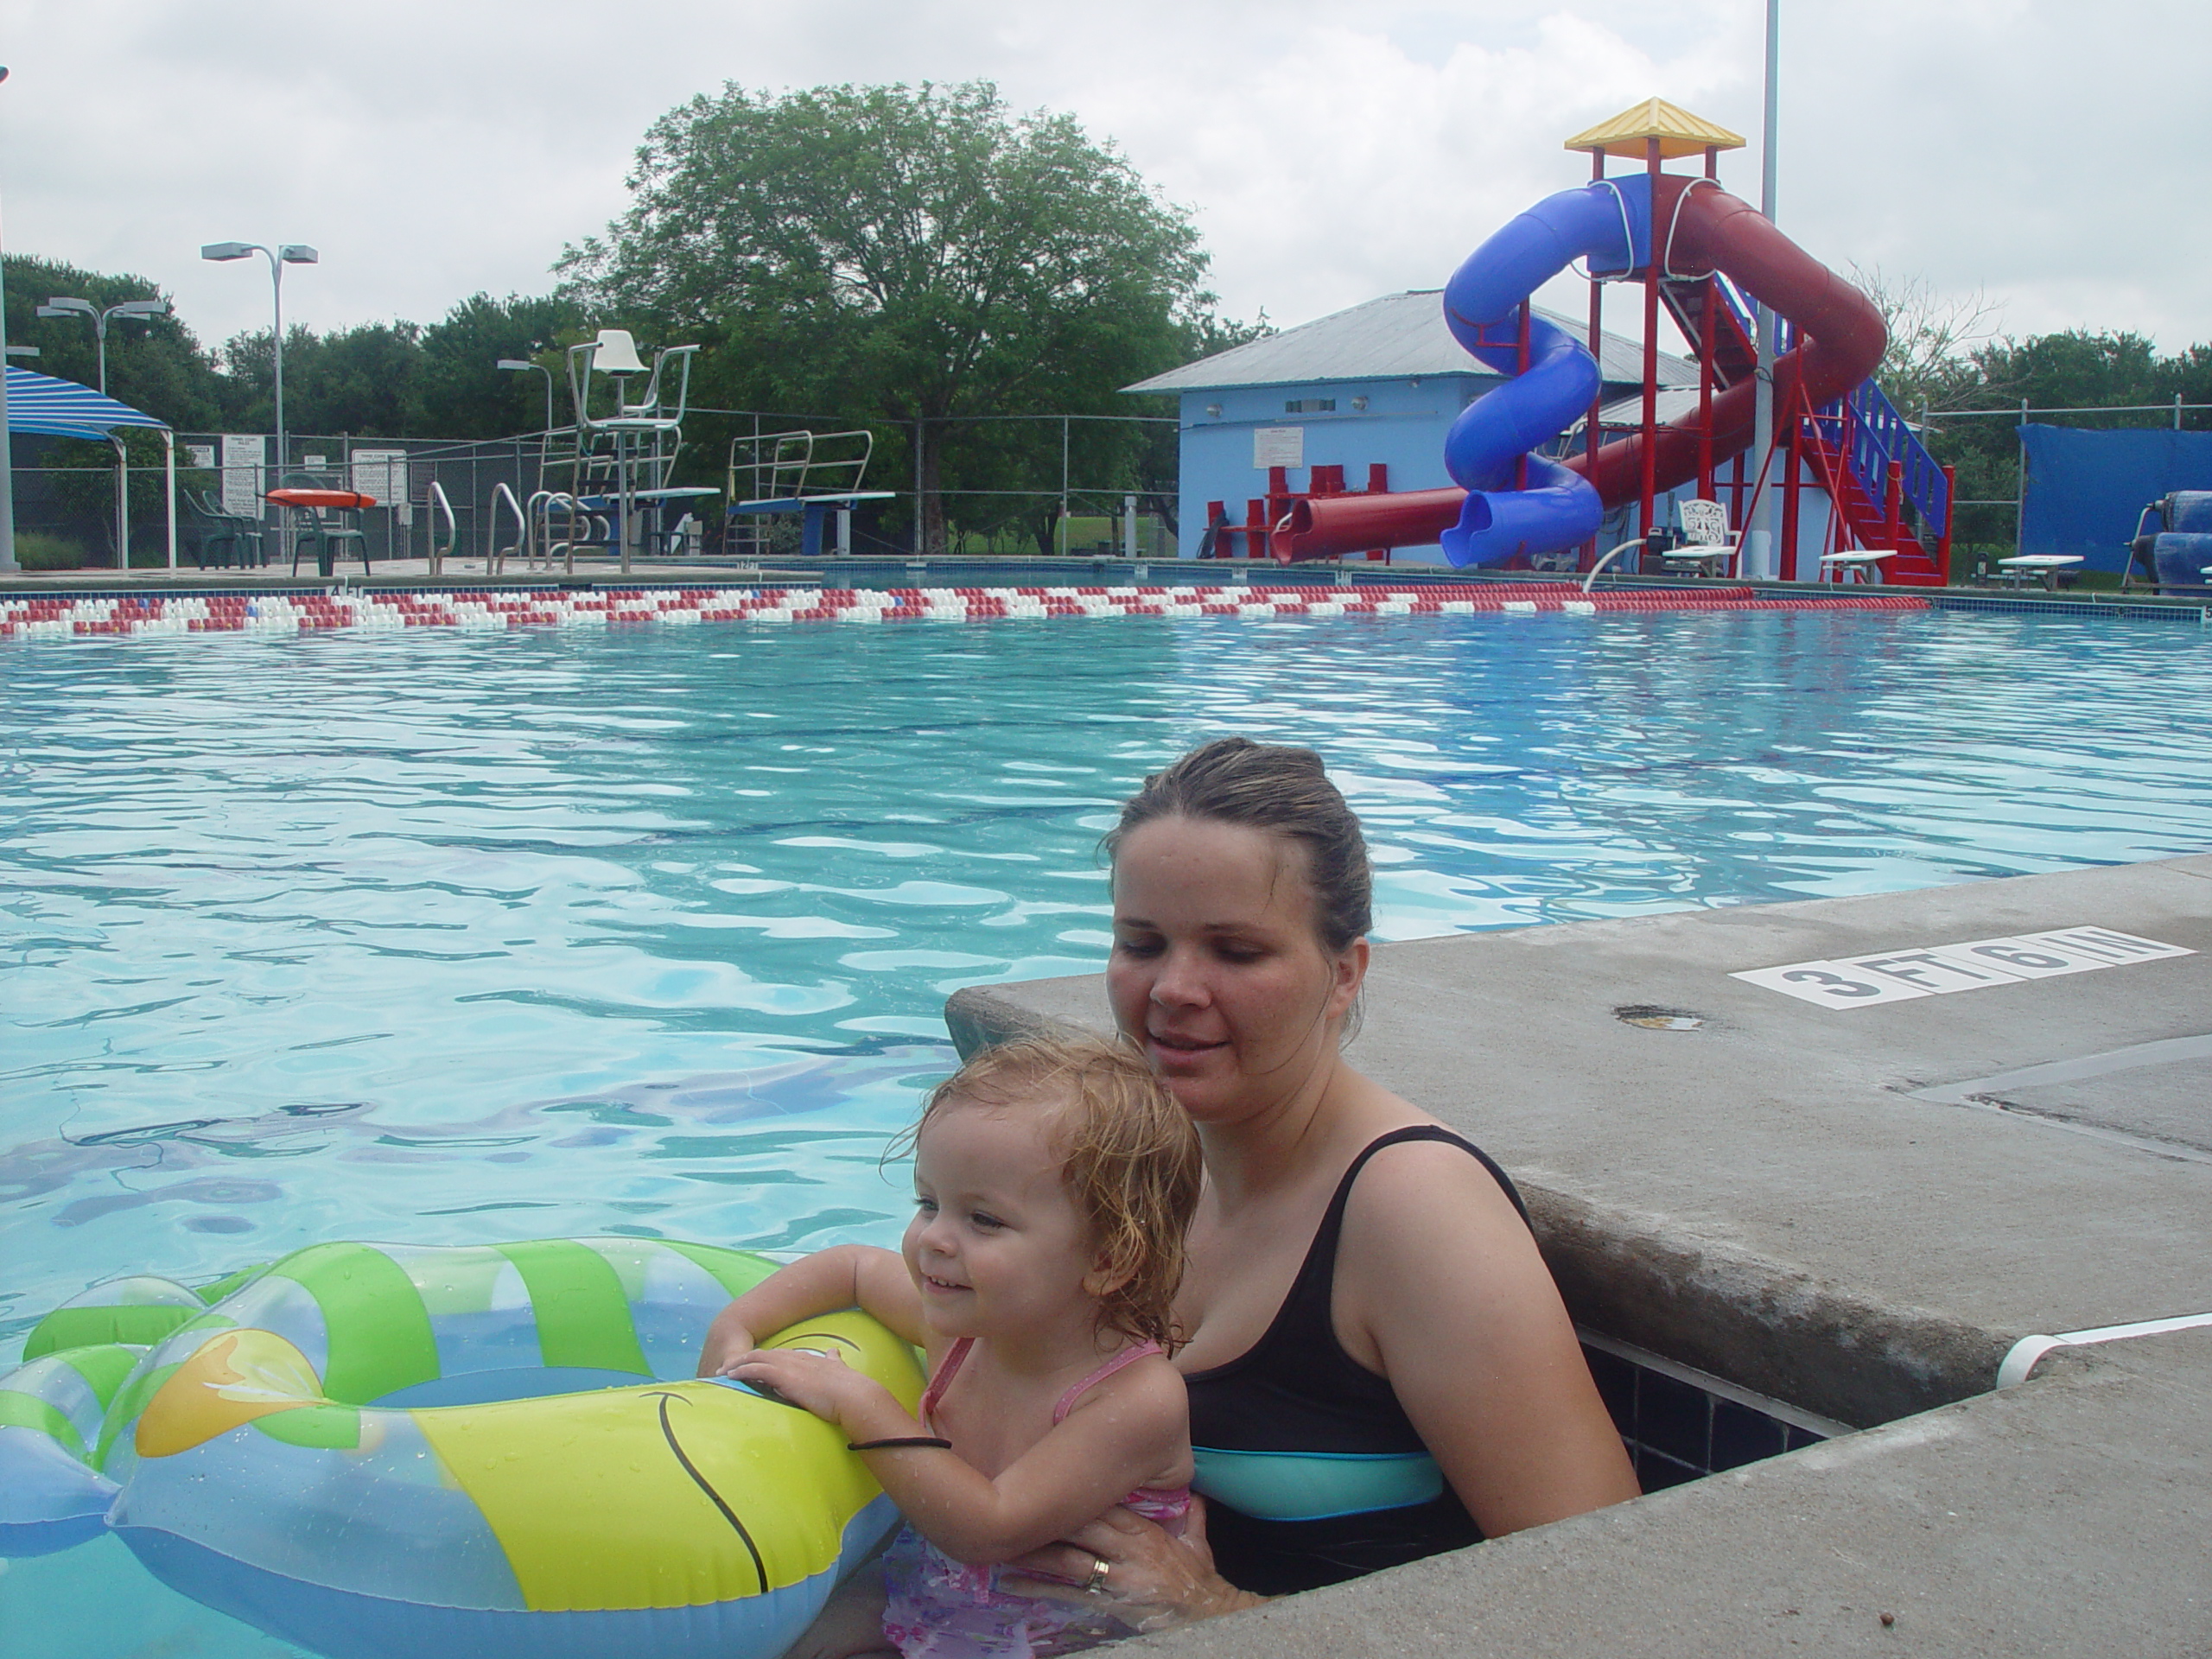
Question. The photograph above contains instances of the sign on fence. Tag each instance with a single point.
(382, 474)
(245, 458)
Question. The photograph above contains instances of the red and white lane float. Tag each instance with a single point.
(492, 609)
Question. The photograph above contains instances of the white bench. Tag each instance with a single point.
(2038, 567)
(1856, 564)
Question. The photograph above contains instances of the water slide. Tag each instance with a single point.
(1509, 501)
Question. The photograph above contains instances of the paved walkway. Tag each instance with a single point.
(1857, 1203)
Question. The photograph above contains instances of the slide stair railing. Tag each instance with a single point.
(1866, 454)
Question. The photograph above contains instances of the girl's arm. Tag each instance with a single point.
(1134, 1422)
(846, 1275)
(1440, 1273)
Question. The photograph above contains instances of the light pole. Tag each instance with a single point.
(288, 253)
(514, 365)
(144, 310)
(148, 308)
(8, 565)
(1768, 558)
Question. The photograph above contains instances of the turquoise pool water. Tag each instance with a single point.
(454, 939)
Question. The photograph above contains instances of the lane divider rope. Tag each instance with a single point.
(135, 615)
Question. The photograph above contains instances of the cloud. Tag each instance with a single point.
(1327, 154)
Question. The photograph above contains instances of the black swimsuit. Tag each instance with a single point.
(1312, 1471)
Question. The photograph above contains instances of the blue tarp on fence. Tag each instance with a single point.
(2086, 489)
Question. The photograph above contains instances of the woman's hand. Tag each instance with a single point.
(728, 1343)
(1152, 1579)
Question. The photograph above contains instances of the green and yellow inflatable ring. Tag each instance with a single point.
(475, 1453)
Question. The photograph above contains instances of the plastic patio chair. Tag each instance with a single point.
(1707, 541)
(330, 531)
(208, 533)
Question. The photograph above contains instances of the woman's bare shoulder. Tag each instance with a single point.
(1425, 1202)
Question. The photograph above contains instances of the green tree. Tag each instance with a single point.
(466, 394)
(367, 379)
(156, 366)
(911, 255)
(2077, 370)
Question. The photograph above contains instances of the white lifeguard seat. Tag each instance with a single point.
(615, 352)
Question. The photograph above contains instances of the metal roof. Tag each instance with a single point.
(1399, 336)
(62, 408)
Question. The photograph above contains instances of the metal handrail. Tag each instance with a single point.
(495, 555)
(775, 460)
(441, 507)
(543, 505)
(1589, 580)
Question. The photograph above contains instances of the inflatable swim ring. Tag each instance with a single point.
(377, 1451)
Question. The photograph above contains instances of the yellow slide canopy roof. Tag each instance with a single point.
(1679, 133)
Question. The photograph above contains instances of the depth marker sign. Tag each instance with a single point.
(1942, 969)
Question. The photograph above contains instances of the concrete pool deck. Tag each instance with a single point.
(1858, 1209)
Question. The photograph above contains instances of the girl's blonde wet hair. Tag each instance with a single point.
(1129, 1158)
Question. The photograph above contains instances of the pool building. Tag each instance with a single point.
(1357, 400)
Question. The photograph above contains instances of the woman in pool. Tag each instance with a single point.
(1379, 1366)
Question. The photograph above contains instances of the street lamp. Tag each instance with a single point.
(517, 364)
(1767, 561)
(142, 309)
(288, 253)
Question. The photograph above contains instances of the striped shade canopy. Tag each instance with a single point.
(62, 408)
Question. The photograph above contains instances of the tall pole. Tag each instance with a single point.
(1590, 431)
(1763, 408)
(276, 291)
(1648, 483)
(8, 565)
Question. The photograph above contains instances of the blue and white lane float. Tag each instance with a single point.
(481, 1452)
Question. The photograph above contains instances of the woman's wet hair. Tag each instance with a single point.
(1130, 1159)
(1284, 792)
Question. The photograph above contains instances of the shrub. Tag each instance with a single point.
(36, 550)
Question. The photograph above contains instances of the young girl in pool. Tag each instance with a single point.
(1053, 1181)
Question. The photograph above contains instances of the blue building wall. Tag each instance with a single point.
(1402, 425)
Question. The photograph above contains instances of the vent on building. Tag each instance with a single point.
(1310, 406)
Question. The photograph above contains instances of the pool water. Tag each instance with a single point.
(456, 938)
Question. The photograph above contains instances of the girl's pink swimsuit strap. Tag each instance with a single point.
(939, 1608)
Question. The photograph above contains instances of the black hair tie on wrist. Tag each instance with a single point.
(898, 1441)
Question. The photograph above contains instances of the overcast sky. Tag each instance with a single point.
(2046, 152)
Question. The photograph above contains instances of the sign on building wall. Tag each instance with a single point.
(245, 458)
(1278, 446)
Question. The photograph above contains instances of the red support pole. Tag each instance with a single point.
(1649, 484)
(1789, 498)
(1893, 503)
(1705, 393)
(1598, 352)
(1521, 367)
(1705, 346)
